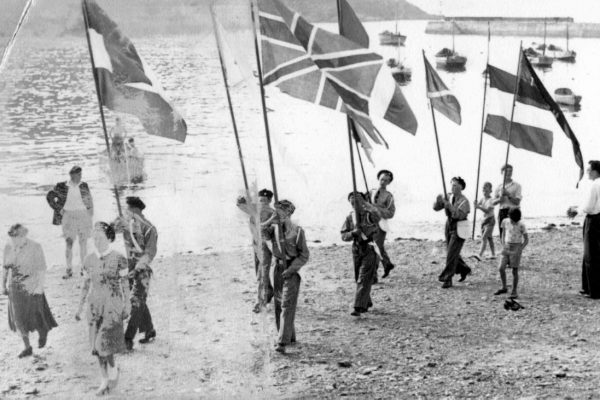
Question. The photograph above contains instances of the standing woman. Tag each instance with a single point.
(28, 308)
(106, 288)
(590, 272)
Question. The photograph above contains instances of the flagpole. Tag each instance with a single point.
(349, 127)
(481, 131)
(231, 112)
(99, 96)
(264, 105)
(12, 39)
(281, 240)
(436, 139)
(512, 113)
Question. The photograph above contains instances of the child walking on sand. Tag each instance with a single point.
(489, 221)
(514, 239)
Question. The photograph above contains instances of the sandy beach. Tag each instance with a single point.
(418, 341)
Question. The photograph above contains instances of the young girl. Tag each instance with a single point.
(489, 221)
(514, 239)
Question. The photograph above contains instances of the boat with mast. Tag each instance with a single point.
(387, 38)
(450, 59)
(540, 60)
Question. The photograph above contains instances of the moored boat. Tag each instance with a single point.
(400, 72)
(567, 97)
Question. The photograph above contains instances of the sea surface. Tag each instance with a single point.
(49, 121)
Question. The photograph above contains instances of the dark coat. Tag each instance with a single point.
(57, 197)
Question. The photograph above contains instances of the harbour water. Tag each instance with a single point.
(49, 121)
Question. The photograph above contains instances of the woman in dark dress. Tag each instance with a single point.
(106, 289)
(23, 280)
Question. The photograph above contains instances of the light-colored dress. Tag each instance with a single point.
(106, 302)
(28, 308)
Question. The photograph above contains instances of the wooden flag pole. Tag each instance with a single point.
(267, 132)
(437, 141)
(99, 96)
(264, 105)
(349, 126)
(512, 113)
(231, 112)
(481, 132)
(11, 41)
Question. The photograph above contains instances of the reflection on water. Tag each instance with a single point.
(49, 121)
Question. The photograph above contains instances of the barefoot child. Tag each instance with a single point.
(489, 221)
(514, 239)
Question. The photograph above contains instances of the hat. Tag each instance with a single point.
(460, 181)
(135, 202)
(286, 205)
(17, 230)
(266, 193)
(386, 172)
(75, 170)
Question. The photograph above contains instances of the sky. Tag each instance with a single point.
(580, 10)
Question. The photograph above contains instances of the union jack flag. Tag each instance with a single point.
(330, 70)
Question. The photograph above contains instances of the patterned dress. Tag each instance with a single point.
(106, 302)
(28, 308)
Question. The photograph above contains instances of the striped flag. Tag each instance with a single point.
(330, 70)
(535, 113)
(124, 82)
(441, 98)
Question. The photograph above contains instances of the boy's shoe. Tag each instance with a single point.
(148, 337)
(280, 348)
(447, 285)
(501, 291)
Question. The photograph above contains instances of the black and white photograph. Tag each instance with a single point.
(300, 199)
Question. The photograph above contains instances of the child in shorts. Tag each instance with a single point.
(514, 239)
(489, 221)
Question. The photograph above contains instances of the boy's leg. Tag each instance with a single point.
(515, 272)
(502, 270)
(492, 247)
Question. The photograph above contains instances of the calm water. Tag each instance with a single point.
(49, 121)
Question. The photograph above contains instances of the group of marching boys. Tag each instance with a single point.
(366, 226)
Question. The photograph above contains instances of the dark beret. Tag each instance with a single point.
(75, 170)
(386, 172)
(460, 181)
(266, 193)
(135, 202)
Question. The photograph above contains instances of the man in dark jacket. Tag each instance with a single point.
(73, 209)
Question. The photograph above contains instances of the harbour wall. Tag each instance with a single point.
(501, 27)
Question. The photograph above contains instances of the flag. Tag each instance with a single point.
(351, 27)
(536, 113)
(124, 82)
(441, 98)
(235, 72)
(324, 68)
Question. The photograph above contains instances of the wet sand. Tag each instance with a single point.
(418, 341)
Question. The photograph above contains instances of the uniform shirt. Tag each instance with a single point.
(592, 204)
(513, 232)
(513, 189)
(294, 244)
(368, 227)
(384, 201)
(487, 203)
(140, 237)
(74, 200)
